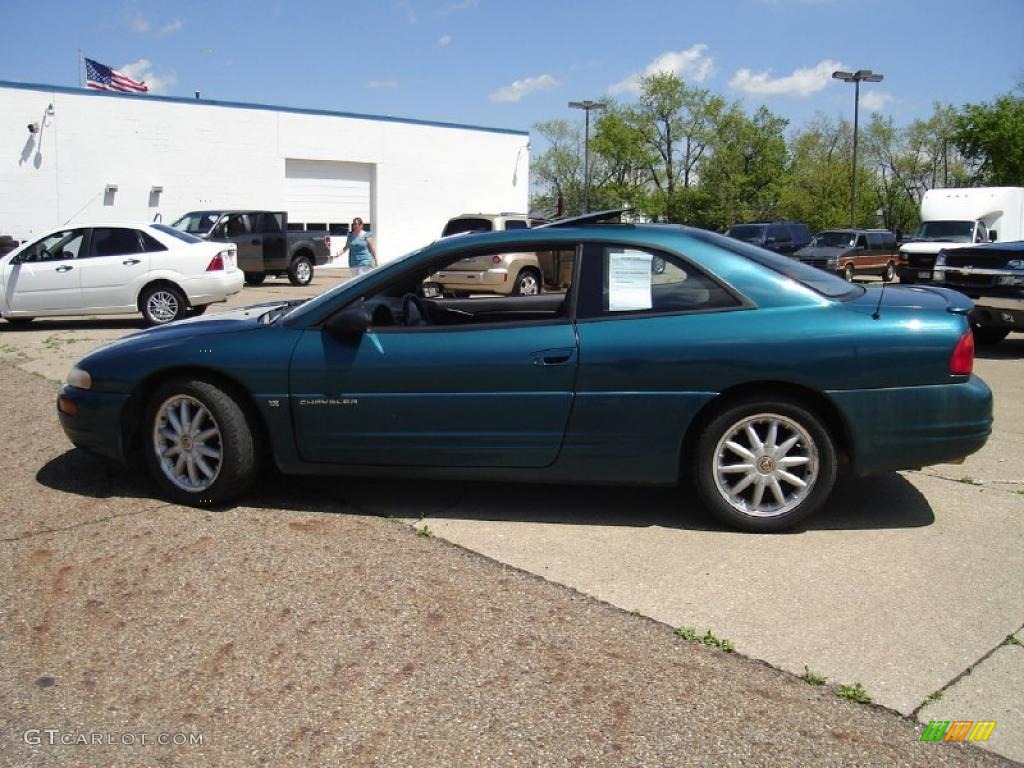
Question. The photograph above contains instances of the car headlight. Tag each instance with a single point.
(940, 260)
(1015, 264)
(78, 378)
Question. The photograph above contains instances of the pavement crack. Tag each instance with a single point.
(84, 524)
(1011, 486)
(982, 659)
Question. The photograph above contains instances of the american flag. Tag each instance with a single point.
(104, 78)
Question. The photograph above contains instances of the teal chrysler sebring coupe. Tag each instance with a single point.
(653, 355)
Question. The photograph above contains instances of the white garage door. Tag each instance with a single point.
(325, 192)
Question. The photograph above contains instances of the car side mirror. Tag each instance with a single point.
(350, 324)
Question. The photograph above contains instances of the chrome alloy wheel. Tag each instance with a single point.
(303, 271)
(188, 444)
(162, 306)
(765, 465)
(529, 285)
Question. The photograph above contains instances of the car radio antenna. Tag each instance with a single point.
(881, 294)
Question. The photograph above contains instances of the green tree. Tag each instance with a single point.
(557, 174)
(991, 138)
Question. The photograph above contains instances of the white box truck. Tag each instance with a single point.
(955, 218)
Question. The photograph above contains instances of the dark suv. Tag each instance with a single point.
(778, 236)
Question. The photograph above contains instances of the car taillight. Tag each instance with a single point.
(961, 362)
(216, 263)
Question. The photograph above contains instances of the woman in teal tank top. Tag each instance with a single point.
(362, 255)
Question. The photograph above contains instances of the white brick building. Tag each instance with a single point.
(118, 157)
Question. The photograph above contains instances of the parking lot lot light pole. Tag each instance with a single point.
(867, 76)
(586, 106)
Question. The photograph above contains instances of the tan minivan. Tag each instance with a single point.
(506, 274)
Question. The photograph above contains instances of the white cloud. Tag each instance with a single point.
(461, 5)
(690, 64)
(444, 40)
(874, 101)
(143, 70)
(802, 82)
(140, 23)
(383, 85)
(170, 27)
(520, 88)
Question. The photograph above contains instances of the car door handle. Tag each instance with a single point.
(559, 356)
(64, 268)
(130, 262)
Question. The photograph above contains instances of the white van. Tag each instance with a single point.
(955, 218)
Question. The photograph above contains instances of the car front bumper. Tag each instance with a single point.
(95, 425)
(913, 427)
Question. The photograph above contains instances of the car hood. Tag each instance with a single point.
(925, 297)
(229, 321)
(820, 251)
(930, 246)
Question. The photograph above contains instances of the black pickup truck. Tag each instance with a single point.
(265, 246)
(993, 275)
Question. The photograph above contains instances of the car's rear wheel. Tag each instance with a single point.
(527, 283)
(199, 445)
(162, 304)
(990, 334)
(255, 278)
(890, 272)
(764, 465)
(301, 271)
(848, 273)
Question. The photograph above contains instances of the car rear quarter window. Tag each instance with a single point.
(150, 244)
(625, 280)
(515, 224)
(458, 226)
(185, 237)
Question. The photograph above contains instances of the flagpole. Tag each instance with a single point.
(79, 67)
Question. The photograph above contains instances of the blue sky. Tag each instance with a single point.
(511, 64)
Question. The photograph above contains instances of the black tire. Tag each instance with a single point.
(162, 304)
(890, 273)
(197, 311)
(255, 278)
(301, 270)
(848, 273)
(527, 283)
(990, 334)
(793, 420)
(236, 468)
(19, 321)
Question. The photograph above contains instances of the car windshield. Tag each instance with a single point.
(833, 240)
(947, 231)
(458, 226)
(750, 233)
(818, 280)
(184, 236)
(199, 223)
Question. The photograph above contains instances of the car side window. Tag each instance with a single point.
(480, 286)
(515, 224)
(150, 244)
(114, 241)
(271, 223)
(862, 242)
(236, 225)
(624, 280)
(60, 246)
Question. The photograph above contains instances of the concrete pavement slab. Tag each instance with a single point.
(994, 690)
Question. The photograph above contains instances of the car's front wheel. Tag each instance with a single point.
(162, 304)
(200, 447)
(889, 274)
(764, 465)
(848, 273)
